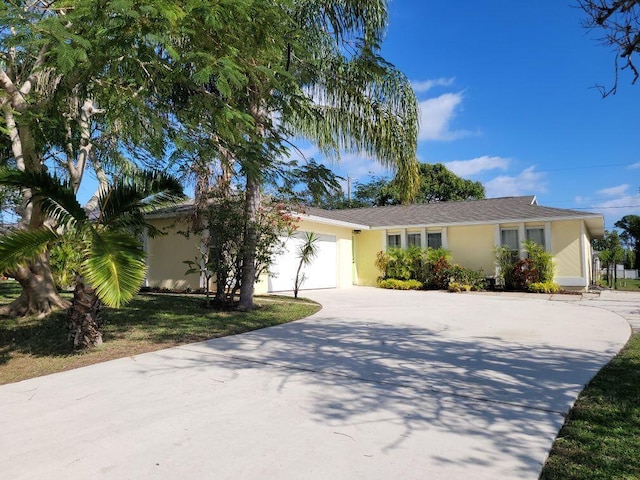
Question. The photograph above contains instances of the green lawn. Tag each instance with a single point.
(601, 437)
(628, 284)
(30, 347)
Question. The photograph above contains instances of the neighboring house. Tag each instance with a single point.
(350, 240)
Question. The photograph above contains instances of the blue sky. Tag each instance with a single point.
(507, 97)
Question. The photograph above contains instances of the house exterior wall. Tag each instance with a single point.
(367, 245)
(569, 241)
(473, 247)
(165, 255)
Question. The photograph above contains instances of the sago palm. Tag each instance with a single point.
(113, 261)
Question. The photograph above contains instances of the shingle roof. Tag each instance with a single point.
(468, 212)
(491, 210)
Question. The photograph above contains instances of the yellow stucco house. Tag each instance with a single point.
(350, 240)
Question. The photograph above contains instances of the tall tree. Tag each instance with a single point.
(63, 63)
(630, 226)
(619, 23)
(611, 253)
(436, 184)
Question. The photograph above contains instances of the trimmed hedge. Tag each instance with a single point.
(396, 284)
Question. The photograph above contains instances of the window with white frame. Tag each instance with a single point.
(536, 234)
(393, 240)
(509, 238)
(414, 240)
(434, 239)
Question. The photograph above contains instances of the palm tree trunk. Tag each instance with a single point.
(84, 317)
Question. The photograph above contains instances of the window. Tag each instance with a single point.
(509, 238)
(537, 235)
(434, 240)
(393, 240)
(414, 240)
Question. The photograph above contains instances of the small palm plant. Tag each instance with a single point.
(306, 253)
(113, 261)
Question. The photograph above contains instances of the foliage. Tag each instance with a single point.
(436, 184)
(66, 259)
(311, 184)
(459, 287)
(518, 274)
(402, 264)
(112, 259)
(611, 252)
(223, 235)
(630, 226)
(307, 251)
(430, 267)
(541, 261)
(544, 287)
(396, 284)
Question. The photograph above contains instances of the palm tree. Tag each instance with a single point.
(356, 101)
(307, 252)
(113, 266)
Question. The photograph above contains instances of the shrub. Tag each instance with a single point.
(518, 274)
(459, 287)
(396, 284)
(522, 274)
(544, 287)
(541, 260)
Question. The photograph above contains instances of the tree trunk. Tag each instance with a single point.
(39, 295)
(84, 317)
(250, 244)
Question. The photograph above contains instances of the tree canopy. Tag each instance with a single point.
(436, 184)
(630, 226)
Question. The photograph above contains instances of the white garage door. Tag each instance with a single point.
(321, 273)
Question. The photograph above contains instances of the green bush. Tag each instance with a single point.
(518, 274)
(396, 284)
(459, 287)
(544, 287)
(541, 260)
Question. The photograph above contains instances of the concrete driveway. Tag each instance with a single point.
(378, 385)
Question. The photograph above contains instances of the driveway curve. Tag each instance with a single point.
(378, 384)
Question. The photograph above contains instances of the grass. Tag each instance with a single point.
(629, 285)
(31, 348)
(601, 437)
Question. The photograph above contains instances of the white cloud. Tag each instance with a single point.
(635, 165)
(616, 208)
(436, 115)
(426, 85)
(465, 168)
(528, 182)
(614, 191)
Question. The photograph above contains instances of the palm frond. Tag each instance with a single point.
(20, 245)
(55, 196)
(115, 267)
(141, 192)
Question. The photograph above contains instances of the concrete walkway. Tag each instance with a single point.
(378, 385)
